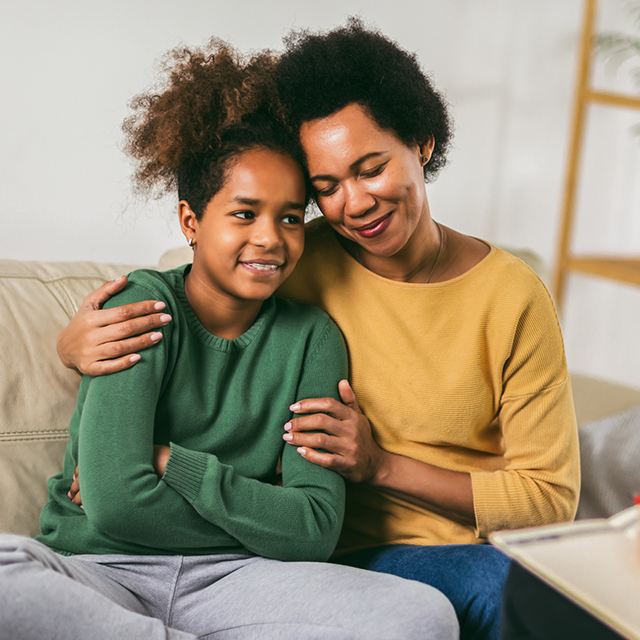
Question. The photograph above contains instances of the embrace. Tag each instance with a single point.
(372, 388)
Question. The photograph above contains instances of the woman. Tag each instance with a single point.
(463, 421)
(184, 528)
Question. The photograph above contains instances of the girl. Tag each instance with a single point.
(183, 528)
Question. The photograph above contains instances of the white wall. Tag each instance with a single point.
(68, 69)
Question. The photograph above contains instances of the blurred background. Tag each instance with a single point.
(507, 67)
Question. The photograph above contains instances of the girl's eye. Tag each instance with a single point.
(292, 219)
(245, 215)
(374, 172)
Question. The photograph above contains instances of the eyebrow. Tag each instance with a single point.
(253, 202)
(353, 165)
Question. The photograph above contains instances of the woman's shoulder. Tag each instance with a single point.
(514, 270)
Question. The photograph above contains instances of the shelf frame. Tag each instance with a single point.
(615, 268)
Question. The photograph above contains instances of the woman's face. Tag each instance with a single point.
(251, 234)
(368, 183)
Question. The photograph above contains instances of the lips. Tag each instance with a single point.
(260, 267)
(376, 227)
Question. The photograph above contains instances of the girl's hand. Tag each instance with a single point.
(100, 341)
(344, 433)
(160, 458)
(74, 492)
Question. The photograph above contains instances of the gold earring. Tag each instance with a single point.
(424, 160)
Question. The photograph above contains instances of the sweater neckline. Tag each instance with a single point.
(209, 339)
(355, 264)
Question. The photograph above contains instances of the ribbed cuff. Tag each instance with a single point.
(185, 470)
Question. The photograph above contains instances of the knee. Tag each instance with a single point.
(10, 545)
(426, 613)
(18, 550)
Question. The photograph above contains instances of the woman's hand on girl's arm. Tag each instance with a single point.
(101, 341)
(344, 433)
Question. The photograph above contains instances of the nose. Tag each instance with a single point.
(357, 200)
(267, 233)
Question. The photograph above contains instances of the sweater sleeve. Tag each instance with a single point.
(300, 520)
(541, 480)
(121, 493)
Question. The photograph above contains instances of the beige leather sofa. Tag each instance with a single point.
(37, 394)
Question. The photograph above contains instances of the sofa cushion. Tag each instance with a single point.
(37, 393)
(610, 464)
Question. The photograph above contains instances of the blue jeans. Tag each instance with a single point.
(472, 576)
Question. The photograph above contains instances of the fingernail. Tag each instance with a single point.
(288, 437)
(302, 451)
(165, 317)
(135, 357)
(294, 407)
(69, 495)
(288, 426)
(82, 506)
(159, 306)
(154, 337)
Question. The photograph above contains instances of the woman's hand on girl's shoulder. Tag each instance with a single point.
(341, 430)
(101, 341)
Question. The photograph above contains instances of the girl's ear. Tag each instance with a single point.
(426, 149)
(188, 222)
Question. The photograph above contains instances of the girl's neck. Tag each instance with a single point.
(219, 314)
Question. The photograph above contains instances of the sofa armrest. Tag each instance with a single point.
(37, 393)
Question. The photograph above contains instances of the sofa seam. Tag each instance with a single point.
(35, 438)
(9, 433)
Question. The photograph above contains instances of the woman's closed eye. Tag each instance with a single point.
(326, 191)
(376, 171)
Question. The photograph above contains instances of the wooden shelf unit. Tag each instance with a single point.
(620, 269)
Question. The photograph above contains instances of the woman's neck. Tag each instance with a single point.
(417, 261)
(219, 314)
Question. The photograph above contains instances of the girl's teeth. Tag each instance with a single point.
(264, 267)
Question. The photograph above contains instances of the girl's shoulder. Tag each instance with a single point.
(149, 284)
(303, 321)
(302, 314)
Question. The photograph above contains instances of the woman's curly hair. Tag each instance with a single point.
(320, 73)
(211, 105)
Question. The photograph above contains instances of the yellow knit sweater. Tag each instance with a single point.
(468, 374)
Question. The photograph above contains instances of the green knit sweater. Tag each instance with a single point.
(222, 405)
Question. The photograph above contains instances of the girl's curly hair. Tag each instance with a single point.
(211, 105)
(321, 73)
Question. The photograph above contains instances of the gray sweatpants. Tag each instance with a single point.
(119, 597)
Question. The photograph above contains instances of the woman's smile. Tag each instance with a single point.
(376, 227)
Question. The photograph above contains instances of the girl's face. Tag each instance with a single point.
(251, 234)
(368, 183)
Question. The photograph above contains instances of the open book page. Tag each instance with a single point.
(595, 563)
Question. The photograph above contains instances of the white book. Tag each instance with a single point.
(595, 563)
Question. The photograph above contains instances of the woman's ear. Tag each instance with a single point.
(188, 222)
(426, 149)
